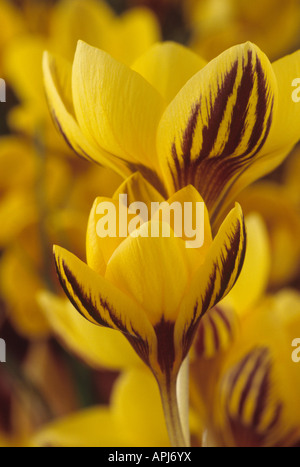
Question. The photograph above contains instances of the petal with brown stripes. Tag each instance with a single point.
(216, 332)
(218, 123)
(251, 413)
(214, 279)
(102, 303)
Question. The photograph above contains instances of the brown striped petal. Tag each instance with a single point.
(215, 332)
(100, 302)
(251, 414)
(214, 279)
(218, 123)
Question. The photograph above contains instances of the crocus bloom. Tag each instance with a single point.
(244, 380)
(160, 313)
(178, 121)
(256, 395)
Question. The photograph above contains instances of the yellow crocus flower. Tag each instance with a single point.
(178, 121)
(276, 205)
(244, 382)
(257, 394)
(158, 315)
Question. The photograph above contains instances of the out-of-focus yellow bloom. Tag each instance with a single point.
(257, 395)
(230, 123)
(11, 25)
(158, 315)
(245, 387)
(134, 418)
(218, 24)
(40, 206)
(125, 37)
(275, 203)
(291, 177)
(33, 392)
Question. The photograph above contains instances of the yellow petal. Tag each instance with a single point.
(254, 276)
(167, 66)
(100, 302)
(214, 279)
(93, 427)
(134, 418)
(194, 227)
(116, 219)
(99, 347)
(99, 250)
(115, 107)
(138, 410)
(57, 78)
(153, 270)
(217, 124)
(284, 132)
(285, 128)
(137, 188)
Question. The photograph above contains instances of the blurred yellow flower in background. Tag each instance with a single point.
(124, 37)
(244, 383)
(219, 24)
(134, 418)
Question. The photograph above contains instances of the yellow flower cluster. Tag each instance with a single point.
(143, 339)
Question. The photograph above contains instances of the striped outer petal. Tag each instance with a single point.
(218, 123)
(248, 408)
(214, 279)
(57, 79)
(99, 347)
(102, 303)
(253, 280)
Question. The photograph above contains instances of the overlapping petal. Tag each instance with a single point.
(98, 300)
(162, 264)
(167, 66)
(114, 106)
(57, 76)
